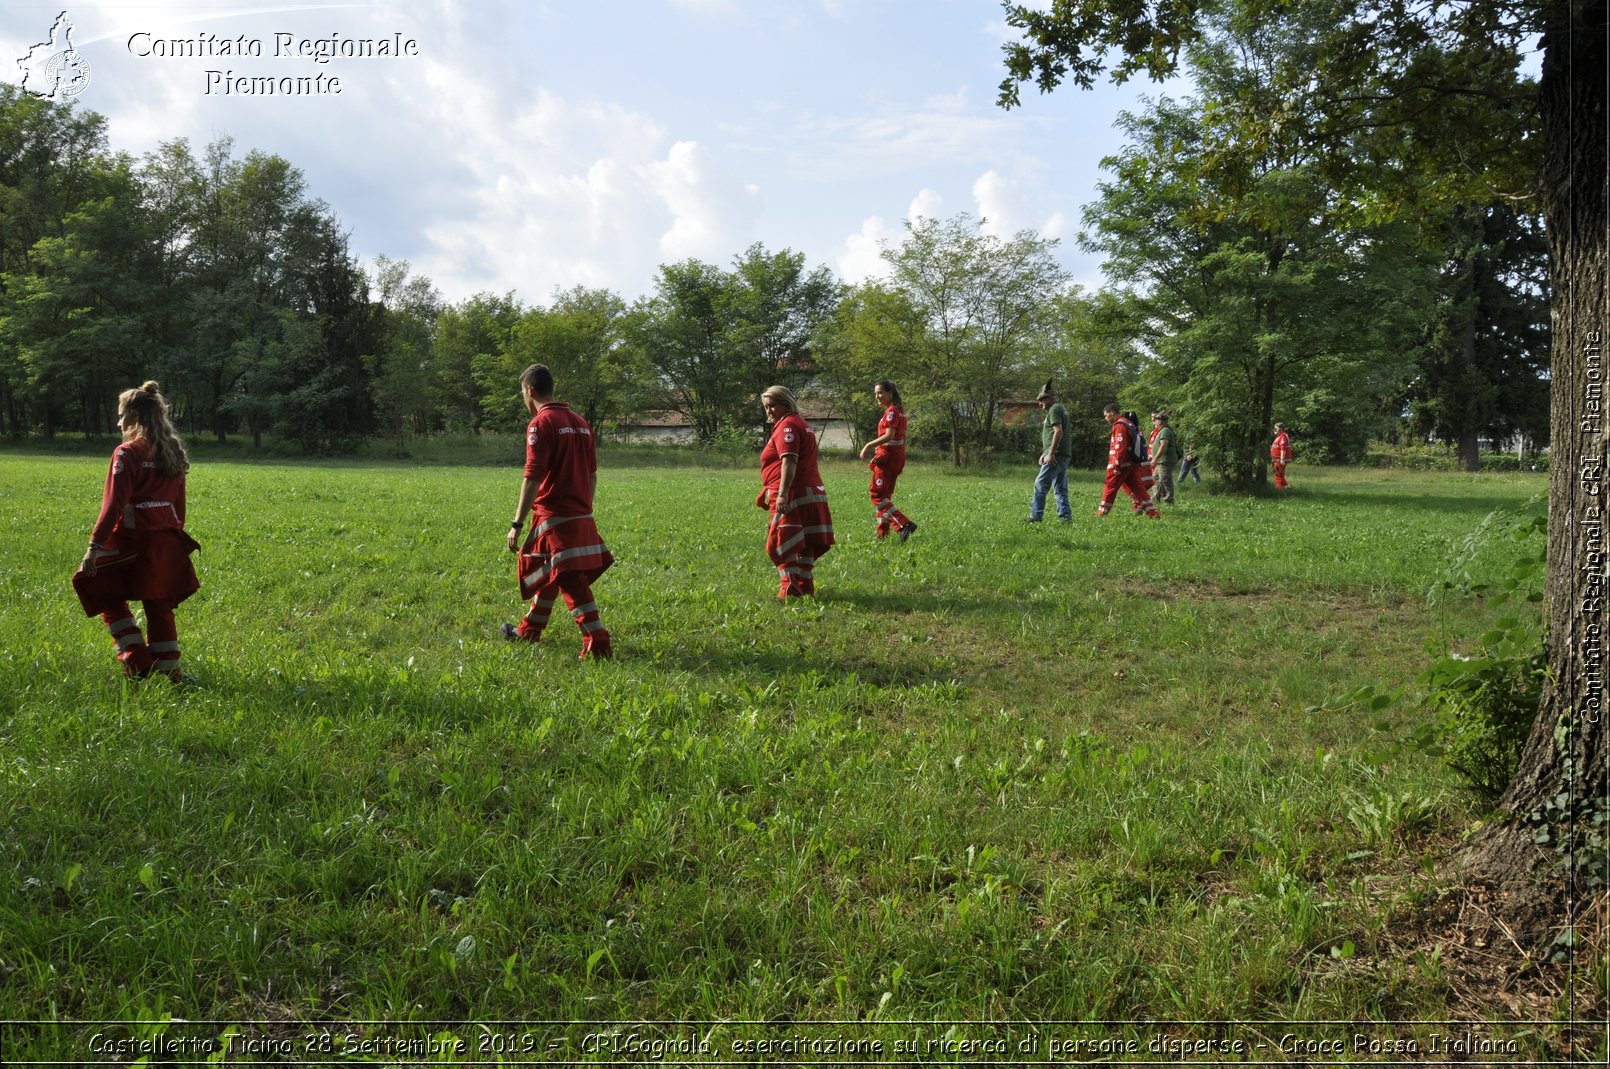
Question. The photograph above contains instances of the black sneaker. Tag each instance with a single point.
(1032, 519)
(510, 632)
(907, 531)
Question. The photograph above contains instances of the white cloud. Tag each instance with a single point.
(581, 193)
(1006, 206)
(943, 129)
(862, 255)
(927, 204)
(998, 204)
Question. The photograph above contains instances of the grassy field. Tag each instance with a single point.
(1000, 776)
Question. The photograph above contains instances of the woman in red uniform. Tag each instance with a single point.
(801, 527)
(139, 550)
(1280, 455)
(888, 462)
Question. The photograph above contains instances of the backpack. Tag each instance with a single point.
(1139, 449)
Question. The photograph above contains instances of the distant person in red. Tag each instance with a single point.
(1123, 469)
(888, 461)
(1280, 455)
(800, 531)
(564, 553)
(139, 550)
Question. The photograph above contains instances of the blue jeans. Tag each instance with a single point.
(1053, 476)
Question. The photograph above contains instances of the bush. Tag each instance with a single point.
(1443, 458)
(1486, 701)
(1486, 705)
(1411, 457)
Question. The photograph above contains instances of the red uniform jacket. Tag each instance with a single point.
(804, 519)
(1119, 454)
(891, 455)
(561, 457)
(1280, 448)
(142, 552)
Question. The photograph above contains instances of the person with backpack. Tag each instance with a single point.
(1165, 452)
(1126, 464)
(1280, 455)
(1143, 447)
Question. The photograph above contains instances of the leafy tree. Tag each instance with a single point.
(331, 405)
(1484, 366)
(583, 338)
(776, 308)
(871, 335)
(685, 330)
(979, 299)
(79, 317)
(1087, 346)
(252, 247)
(410, 310)
(53, 163)
(1257, 305)
(469, 339)
(1422, 106)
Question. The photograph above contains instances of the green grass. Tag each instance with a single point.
(997, 774)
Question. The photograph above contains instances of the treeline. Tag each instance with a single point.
(221, 276)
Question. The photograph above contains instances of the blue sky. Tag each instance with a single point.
(534, 146)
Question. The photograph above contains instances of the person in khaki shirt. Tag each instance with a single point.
(1056, 453)
(1165, 450)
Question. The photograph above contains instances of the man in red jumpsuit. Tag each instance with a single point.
(564, 553)
(1280, 455)
(1123, 470)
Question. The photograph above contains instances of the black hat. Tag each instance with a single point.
(1046, 392)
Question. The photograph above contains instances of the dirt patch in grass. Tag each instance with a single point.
(1359, 602)
(1495, 953)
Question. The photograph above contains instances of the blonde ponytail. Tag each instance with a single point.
(150, 411)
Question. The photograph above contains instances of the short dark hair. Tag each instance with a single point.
(1112, 407)
(538, 379)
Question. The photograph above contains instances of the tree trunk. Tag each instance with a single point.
(1561, 780)
(1469, 443)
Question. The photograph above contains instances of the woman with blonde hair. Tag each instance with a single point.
(138, 549)
(801, 527)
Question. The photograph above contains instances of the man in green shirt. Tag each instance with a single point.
(1056, 450)
(1165, 452)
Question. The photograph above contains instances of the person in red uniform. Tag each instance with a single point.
(138, 550)
(1280, 455)
(1123, 470)
(564, 553)
(888, 461)
(800, 531)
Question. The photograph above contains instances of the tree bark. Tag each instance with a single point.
(1562, 775)
(1469, 437)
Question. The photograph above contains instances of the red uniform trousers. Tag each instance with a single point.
(1280, 474)
(795, 540)
(881, 490)
(563, 555)
(153, 568)
(1135, 480)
